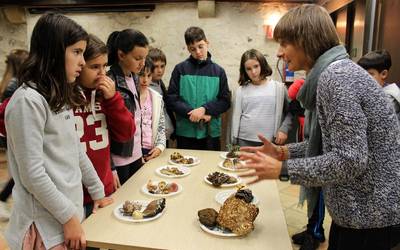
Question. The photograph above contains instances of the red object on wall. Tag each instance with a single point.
(269, 31)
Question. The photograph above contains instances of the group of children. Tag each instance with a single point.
(71, 121)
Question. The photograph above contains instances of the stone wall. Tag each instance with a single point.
(236, 28)
(12, 36)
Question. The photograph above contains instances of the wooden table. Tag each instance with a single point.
(178, 227)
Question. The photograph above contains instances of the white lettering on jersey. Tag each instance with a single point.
(88, 108)
(99, 131)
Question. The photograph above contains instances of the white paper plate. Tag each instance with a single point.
(223, 195)
(195, 162)
(144, 203)
(218, 231)
(185, 170)
(221, 165)
(146, 191)
(225, 185)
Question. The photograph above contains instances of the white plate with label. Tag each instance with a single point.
(223, 195)
(196, 161)
(119, 215)
(164, 172)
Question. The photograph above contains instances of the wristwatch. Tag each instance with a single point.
(284, 176)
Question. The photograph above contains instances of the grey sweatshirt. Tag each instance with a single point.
(359, 169)
(48, 166)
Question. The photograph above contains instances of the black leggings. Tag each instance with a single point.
(316, 221)
(208, 143)
(125, 172)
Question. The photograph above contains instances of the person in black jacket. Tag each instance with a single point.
(127, 53)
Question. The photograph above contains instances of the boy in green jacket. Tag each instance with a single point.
(198, 93)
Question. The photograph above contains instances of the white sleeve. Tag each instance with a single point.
(236, 114)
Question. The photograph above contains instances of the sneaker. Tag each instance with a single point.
(309, 243)
(4, 212)
(299, 237)
(320, 237)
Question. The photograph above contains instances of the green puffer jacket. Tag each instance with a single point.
(197, 84)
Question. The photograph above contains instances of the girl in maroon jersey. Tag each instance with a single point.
(104, 117)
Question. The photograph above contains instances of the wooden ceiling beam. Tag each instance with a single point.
(53, 3)
(333, 5)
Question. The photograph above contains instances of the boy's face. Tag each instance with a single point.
(379, 77)
(93, 71)
(145, 79)
(159, 69)
(198, 50)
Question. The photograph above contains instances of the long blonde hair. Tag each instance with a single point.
(13, 62)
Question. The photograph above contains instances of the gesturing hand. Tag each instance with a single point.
(268, 148)
(264, 166)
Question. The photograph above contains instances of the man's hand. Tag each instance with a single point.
(264, 166)
(268, 148)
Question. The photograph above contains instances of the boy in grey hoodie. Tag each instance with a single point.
(378, 63)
